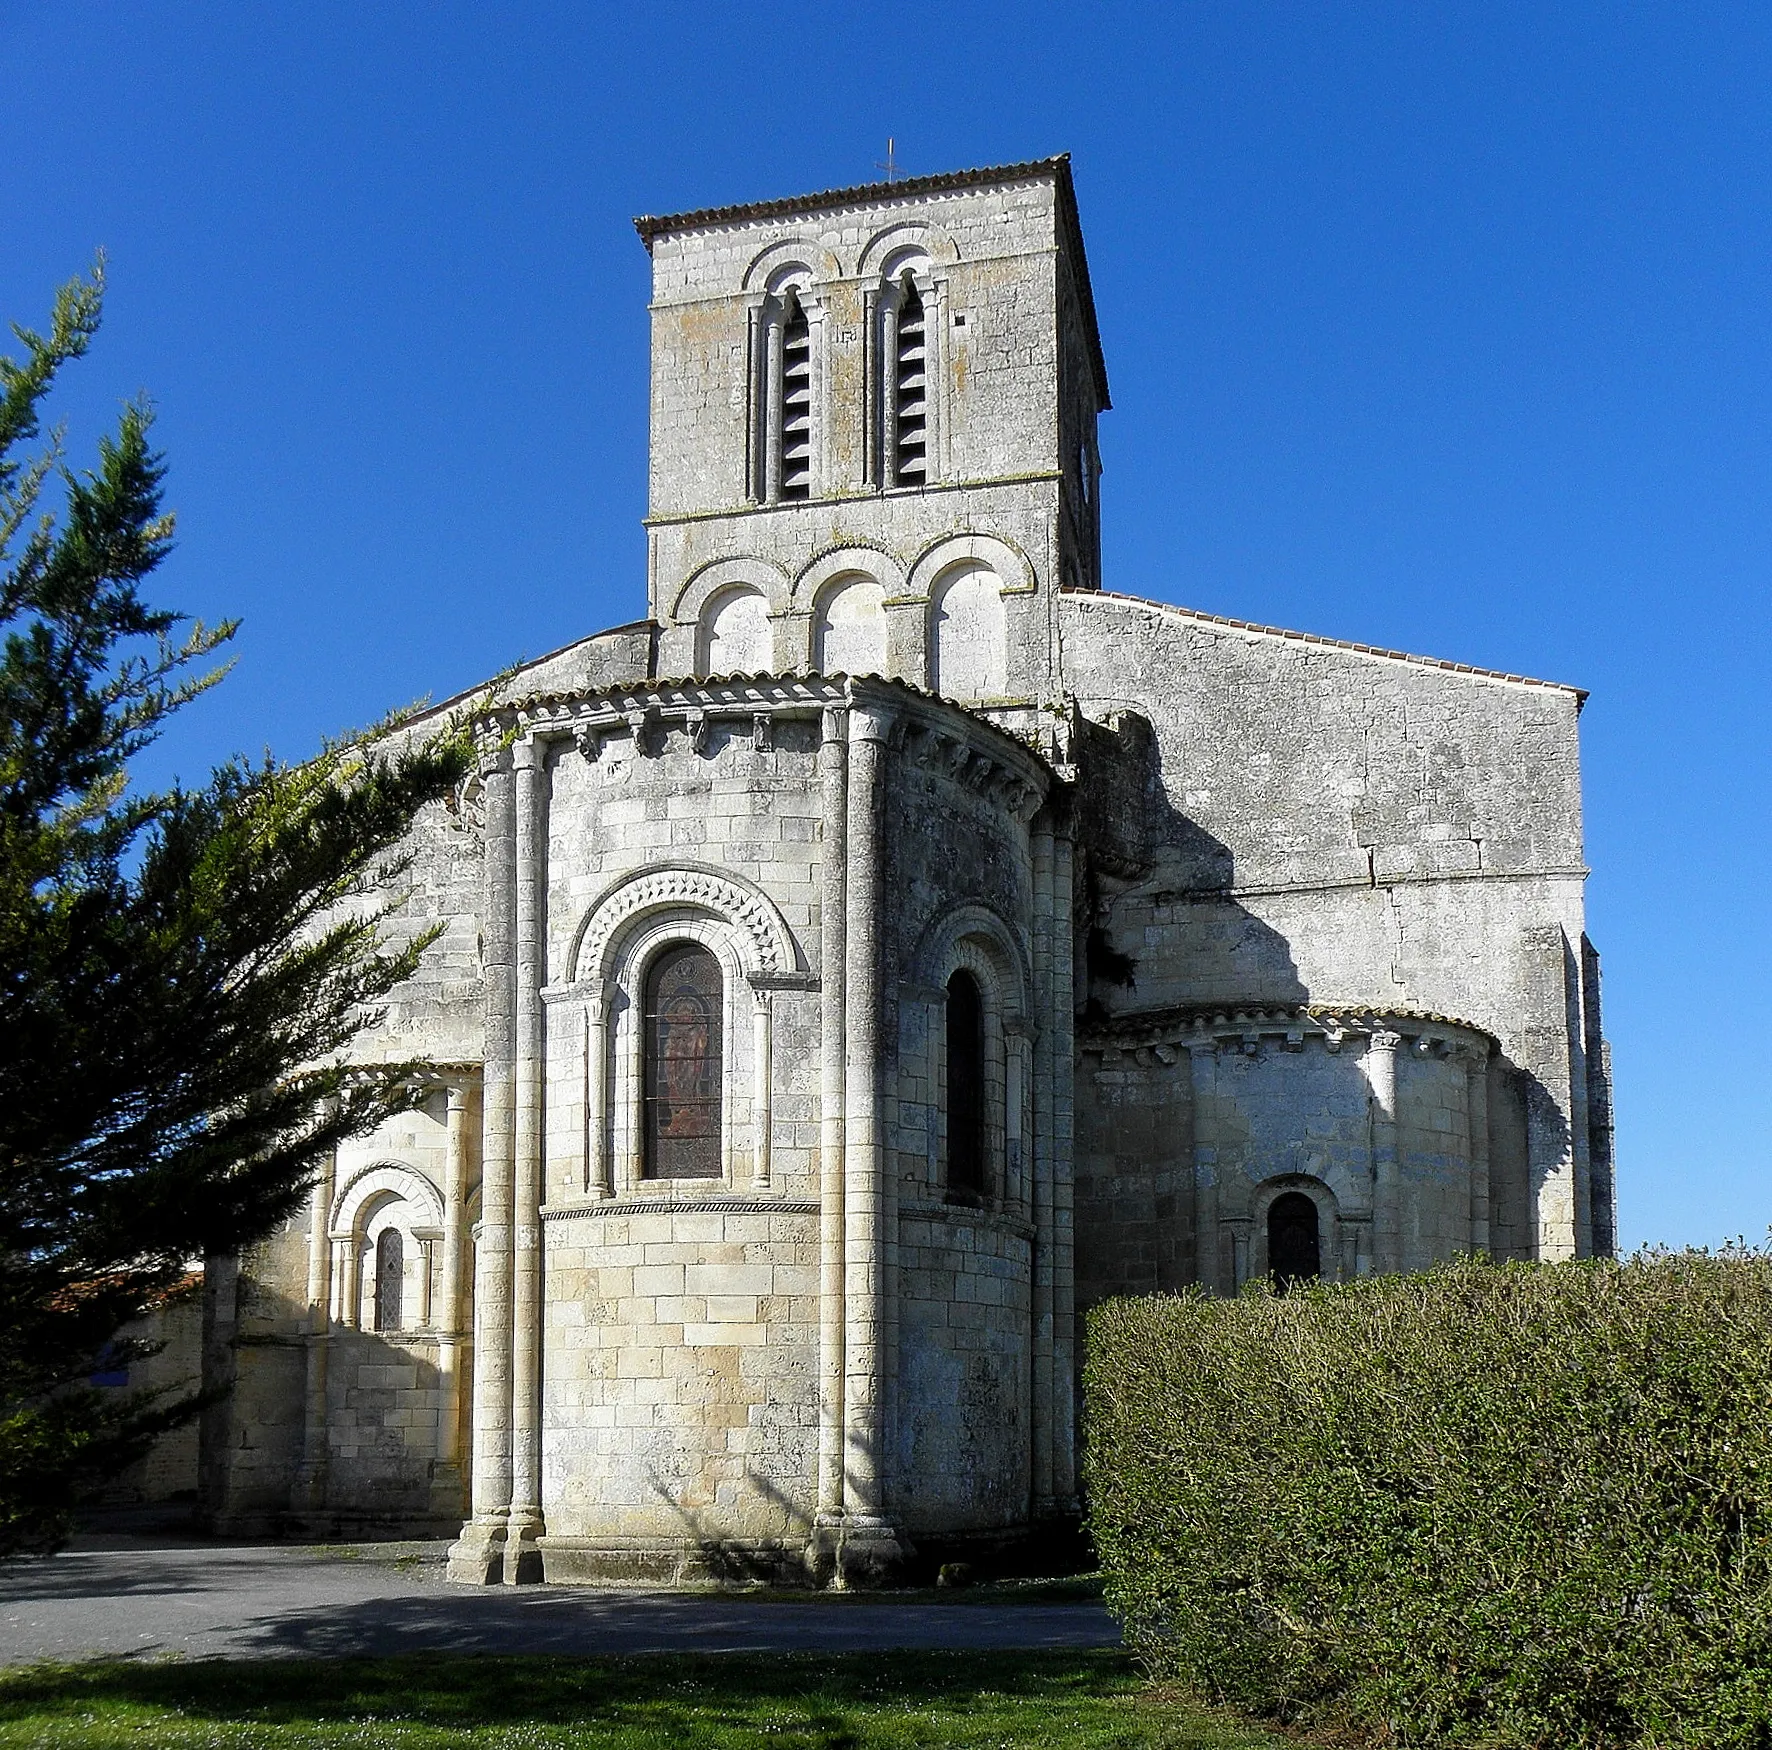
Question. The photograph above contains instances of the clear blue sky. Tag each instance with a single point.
(1444, 327)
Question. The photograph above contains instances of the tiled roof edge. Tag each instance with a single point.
(657, 225)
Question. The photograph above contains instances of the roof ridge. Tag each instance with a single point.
(651, 225)
(1295, 637)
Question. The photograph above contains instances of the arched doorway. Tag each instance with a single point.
(1294, 1240)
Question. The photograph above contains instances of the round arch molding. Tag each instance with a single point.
(385, 1179)
(1015, 571)
(1329, 1221)
(909, 237)
(782, 261)
(764, 943)
(938, 953)
(767, 579)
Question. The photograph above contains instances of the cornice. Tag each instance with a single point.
(1162, 1035)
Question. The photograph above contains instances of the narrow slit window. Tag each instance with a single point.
(966, 1097)
(682, 1065)
(796, 403)
(390, 1278)
(910, 383)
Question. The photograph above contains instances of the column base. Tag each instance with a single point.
(853, 1549)
(522, 1551)
(447, 1489)
(309, 1493)
(477, 1557)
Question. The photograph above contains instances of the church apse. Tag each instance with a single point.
(892, 944)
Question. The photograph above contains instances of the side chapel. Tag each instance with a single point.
(891, 945)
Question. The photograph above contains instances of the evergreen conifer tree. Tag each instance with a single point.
(180, 970)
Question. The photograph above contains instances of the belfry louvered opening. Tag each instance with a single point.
(910, 390)
(795, 424)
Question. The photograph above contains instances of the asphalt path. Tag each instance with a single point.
(230, 1602)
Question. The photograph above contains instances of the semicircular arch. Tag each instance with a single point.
(789, 261)
(763, 941)
(383, 1179)
(897, 245)
(1015, 571)
(701, 586)
(938, 953)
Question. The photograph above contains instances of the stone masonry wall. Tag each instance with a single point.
(1345, 827)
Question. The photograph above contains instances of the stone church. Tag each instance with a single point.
(891, 945)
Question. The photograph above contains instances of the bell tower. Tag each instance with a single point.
(874, 433)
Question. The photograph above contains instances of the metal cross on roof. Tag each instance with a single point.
(890, 163)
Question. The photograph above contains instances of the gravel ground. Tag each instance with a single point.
(230, 1602)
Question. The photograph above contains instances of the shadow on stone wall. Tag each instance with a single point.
(1128, 829)
(706, 1554)
(379, 1471)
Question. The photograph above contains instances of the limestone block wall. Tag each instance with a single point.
(1134, 1174)
(992, 250)
(682, 1391)
(909, 549)
(1341, 826)
(1397, 1126)
(169, 1470)
(251, 1439)
(956, 568)
(728, 1363)
(963, 1411)
(345, 1338)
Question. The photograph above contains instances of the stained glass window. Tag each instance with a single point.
(683, 1027)
(390, 1278)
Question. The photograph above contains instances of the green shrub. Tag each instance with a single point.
(1518, 1505)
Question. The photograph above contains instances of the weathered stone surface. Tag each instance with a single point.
(1249, 916)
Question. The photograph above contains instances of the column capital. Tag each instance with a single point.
(870, 722)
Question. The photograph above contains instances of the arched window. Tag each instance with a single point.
(968, 656)
(795, 417)
(966, 1090)
(849, 634)
(390, 1278)
(910, 386)
(682, 1065)
(735, 633)
(1294, 1248)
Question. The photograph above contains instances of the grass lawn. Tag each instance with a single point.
(859, 1701)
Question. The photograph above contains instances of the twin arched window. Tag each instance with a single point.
(683, 1021)
(902, 368)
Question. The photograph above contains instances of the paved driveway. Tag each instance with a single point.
(233, 1603)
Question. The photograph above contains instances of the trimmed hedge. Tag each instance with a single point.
(1509, 1505)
